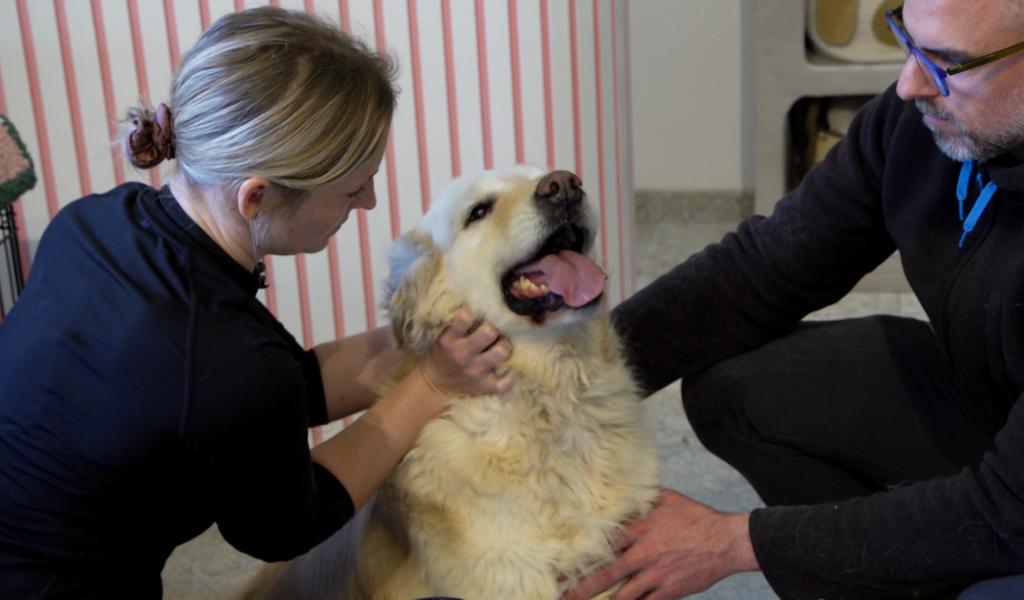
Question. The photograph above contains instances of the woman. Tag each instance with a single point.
(145, 393)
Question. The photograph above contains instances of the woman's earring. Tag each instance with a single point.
(260, 270)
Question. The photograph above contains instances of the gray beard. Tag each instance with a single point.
(972, 146)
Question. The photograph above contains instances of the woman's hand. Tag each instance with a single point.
(464, 359)
(462, 362)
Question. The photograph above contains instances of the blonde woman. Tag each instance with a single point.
(145, 392)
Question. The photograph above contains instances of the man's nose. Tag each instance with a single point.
(914, 82)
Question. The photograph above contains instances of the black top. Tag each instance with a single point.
(145, 393)
(885, 187)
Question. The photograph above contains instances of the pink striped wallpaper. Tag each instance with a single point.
(484, 83)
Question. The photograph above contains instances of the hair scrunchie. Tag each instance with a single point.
(152, 139)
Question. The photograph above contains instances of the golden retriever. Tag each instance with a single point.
(512, 496)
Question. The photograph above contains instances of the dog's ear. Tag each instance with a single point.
(416, 295)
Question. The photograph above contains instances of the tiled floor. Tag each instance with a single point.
(207, 568)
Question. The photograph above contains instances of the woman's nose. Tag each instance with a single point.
(369, 198)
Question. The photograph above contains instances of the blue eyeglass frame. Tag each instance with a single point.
(894, 19)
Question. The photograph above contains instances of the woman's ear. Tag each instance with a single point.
(250, 197)
(415, 293)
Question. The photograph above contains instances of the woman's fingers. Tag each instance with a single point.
(483, 337)
(498, 353)
(466, 358)
(461, 323)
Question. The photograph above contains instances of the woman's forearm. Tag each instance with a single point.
(366, 451)
(354, 368)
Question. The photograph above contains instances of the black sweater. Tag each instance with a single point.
(885, 187)
(146, 393)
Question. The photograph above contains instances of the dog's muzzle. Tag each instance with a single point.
(558, 274)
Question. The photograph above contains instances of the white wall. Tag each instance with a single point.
(692, 114)
(471, 116)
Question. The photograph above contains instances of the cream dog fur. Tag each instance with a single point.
(512, 496)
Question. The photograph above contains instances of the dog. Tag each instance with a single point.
(510, 496)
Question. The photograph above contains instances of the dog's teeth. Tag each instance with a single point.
(525, 285)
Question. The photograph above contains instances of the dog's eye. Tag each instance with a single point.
(479, 211)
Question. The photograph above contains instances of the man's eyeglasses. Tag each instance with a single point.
(895, 20)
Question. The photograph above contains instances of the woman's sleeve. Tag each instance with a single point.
(314, 388)
(247, 425)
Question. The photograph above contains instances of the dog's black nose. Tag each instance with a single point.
(560, 188)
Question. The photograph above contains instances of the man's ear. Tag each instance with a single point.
(250, 197)
(415, 292)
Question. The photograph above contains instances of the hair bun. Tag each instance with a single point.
(152, 138)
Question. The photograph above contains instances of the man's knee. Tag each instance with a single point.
(714, 402)
(795, 366)
(797, 386)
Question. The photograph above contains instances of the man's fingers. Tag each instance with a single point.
(627, 536)
(637, 586)
(599, 581)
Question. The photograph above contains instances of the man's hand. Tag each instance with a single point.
(679, 548)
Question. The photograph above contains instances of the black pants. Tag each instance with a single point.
(839, 409)
(836, 409)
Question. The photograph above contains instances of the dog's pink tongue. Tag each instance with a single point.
(574, 277)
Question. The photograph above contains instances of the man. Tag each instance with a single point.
(890, 452)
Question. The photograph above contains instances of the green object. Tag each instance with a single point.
(16, 173)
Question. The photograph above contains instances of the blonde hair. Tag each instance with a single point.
(281, 95)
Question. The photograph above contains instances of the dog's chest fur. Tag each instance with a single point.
(534, 483)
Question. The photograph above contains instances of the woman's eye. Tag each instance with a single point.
(357, 192)
(479, 211)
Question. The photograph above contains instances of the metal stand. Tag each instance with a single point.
(12, 280)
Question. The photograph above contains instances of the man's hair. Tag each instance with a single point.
(282, 95)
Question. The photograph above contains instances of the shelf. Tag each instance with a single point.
(784, 72)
